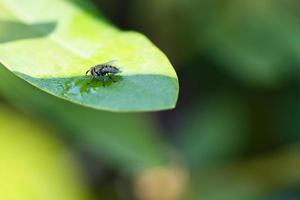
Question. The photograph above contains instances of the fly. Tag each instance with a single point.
(103, 71)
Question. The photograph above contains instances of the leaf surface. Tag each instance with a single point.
(51, 44)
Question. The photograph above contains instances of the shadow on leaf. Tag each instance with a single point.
(144, 92)
(12, 31)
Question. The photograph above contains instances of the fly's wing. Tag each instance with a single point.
(116, 70)
(109, 62)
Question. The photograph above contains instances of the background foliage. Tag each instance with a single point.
(234, 133)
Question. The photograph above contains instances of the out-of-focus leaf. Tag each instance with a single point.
(213, 132)
(286, 116)
(52, 43)
(34, 164)
(254, 179)
(255, 41)
(129, 140)
(248, 39)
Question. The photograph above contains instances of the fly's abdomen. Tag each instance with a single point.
(110, 69)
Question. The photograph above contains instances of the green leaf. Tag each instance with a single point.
(218, 116)
(34, 164)
(51, 44)
(129, 141)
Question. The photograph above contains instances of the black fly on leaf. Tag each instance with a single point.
(104, 71)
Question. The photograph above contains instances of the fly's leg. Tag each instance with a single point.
(104, 79)
(111, 78)
(93, 78)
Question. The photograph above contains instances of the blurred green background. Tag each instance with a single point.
(234, 135)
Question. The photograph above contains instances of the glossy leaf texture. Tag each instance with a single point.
(51, 44)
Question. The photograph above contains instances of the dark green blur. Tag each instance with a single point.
(236, 127)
